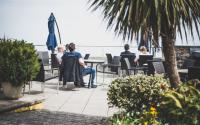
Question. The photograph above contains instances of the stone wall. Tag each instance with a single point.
(183, 52)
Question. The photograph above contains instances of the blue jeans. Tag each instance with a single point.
(88, 70)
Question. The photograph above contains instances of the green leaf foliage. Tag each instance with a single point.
(181, 106)
(18, 61)
(136, 93)
(128, 17)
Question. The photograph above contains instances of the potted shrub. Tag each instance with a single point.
(18, 65)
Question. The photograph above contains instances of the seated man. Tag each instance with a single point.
(85, 70)
(127, 54)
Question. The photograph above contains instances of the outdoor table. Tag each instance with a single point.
(92, 61)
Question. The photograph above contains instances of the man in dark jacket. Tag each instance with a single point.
(84, 70)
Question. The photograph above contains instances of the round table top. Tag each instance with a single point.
(93, 61)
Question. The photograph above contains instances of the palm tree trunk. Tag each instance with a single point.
(170, 59)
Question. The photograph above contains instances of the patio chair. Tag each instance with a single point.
(44, 55)
(71, 70)
(194, 72)
(130, 68)
(159, 67)
(131, 57)
(109, 68)
(109, 58)
(143, 59)
(44, 76)
(151, 69)
(188, 63)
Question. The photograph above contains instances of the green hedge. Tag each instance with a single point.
(136, 93)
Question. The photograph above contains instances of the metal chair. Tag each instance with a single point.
(188, 63)
(44, 55)
(159, 67)
(131, 57)
(44, 76)
(109, 58)
(194, 72)
(129, 68)
(143, 59)
(109, 68)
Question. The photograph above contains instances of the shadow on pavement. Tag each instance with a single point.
(45, 117)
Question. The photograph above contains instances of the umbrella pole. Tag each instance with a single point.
(58, 31)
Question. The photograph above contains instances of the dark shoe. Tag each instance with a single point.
(93, 86)
(83, 84)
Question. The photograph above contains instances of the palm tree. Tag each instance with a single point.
(163, 17)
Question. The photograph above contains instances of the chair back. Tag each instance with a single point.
(194, 72)
(109, 58)
(71, 69)
(188, 63)
(127, 63)
(54, 61)
(151, 70)
(87, 56)
(44, 55)
(115, 61)
(144, 58)
(159, 67)
(41, 74)
(130, 57)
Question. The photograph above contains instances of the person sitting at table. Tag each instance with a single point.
(59, 59)
(127, 54)
(126, 50)
(85, 69)
(142, 51)
(60, 53)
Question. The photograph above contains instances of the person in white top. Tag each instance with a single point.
(142, 51)
(59, 59)
(60, 53)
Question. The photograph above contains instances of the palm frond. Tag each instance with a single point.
(128, 16)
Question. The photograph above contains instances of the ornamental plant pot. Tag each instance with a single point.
(18, 65)
(12, 92)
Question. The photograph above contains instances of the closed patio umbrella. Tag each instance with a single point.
(51, 40)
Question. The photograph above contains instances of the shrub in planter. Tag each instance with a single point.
(18, 64)
(181, 106)
(137, 93)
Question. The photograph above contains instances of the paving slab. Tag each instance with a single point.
(67, 102)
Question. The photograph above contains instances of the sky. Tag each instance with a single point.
(27, 19)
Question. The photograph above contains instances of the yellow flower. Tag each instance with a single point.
(145, 123)
(153, 111)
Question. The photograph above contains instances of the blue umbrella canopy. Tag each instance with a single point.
(51, 40)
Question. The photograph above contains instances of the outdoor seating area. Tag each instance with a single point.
(130, 63)
(118, 66)
(81, 100)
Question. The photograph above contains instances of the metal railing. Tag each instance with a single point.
(100, 51)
